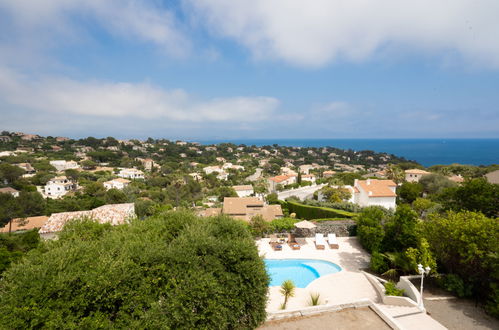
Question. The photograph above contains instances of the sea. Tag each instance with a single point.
(427, 152)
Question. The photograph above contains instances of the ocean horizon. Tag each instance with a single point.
(427, 152)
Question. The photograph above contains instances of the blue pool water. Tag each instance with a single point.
(301, 271)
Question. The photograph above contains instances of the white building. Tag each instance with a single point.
(59, 186)
(211, 169)
(131, 173)
(373, 192)
(119, 183)
(414, 175)
(12, 191)
(280, 180)
(244, 191)
(62, 165)
(308, 177)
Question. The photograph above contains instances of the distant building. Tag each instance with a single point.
(414, 175)
(119, 184)
(9, 190)
(26, 167)
(308, 177)
(247, 207)
(280, 180)
(131, 173)
(24, 224)
(59, 186)
(328, 174)
(493, 177)
(372, 192)
(62, 165)
(115, 214)
(456, 178)
(244, 191)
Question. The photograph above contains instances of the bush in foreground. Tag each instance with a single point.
(173, 270)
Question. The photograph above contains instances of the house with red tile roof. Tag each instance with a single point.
(372, 192)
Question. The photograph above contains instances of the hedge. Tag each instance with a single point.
(313, 212)
(331, 219)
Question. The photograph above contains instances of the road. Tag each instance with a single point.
(256, 175)
(302, 193)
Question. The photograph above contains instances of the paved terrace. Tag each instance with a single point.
(346, 286)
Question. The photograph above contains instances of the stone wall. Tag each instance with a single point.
(342, 228)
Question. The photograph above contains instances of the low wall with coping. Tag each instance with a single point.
(389, 300)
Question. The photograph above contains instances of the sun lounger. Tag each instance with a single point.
(292, 242)
(277, 247)
(320, 243)
(333, 242)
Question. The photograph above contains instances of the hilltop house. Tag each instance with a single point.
(244, 191)
(131, 173)
(414, 175)
(308, 177)
(373, 192)
(115, 214)
(119, 183)
(9, 190)
(59, 186)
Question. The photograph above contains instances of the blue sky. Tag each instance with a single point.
(214, 69)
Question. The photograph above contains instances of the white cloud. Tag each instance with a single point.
(140, 100)
(313, 33)
(139, 20)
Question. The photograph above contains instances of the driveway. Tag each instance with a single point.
(302, 193)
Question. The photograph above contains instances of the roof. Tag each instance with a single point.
(25, 224)
(378, 188)
(456, 178)
(121, 180)
(417, 171)
(114, 214)
(279, 178)
(210, 212)
(238, 205)
(493, 177)
(8, 190)
(244, 187)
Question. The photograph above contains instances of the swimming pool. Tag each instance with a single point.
(301, 271)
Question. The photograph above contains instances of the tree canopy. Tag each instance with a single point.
(173, 270)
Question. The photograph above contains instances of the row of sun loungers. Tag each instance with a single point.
(320, 242)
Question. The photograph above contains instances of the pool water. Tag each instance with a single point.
(301, 271)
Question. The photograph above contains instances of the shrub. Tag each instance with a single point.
(258, 226)
(379, 264)
(173, 270)
(456, 285)
(392, 290)
(282, 224)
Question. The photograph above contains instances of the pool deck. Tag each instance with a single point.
(346, 286)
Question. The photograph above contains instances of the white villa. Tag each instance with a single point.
(62, 165)
(372, 192)
(59, 186)
(414, 175)
(244, 191)
(119, 183)
(308, 177)
(280, 179)
(131, 173)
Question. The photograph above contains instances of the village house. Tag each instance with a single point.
(62, 165)
(456, 178)
(328, 174)
(373, 192)
(59, 186)
(148, 163)
(245, 208)
(9, 190)
(244, 190)
(493, 177)
(131, 173)
(414, 175)
(26, 167)
(115, 214)
(308, 177)
(280, 180)
(119, 183)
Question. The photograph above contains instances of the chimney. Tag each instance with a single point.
(370, 193)
(368, 181)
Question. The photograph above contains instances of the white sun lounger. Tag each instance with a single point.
(333, 242)
(320, 243)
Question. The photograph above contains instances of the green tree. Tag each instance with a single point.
(408, 192)
(115, 196)
(370, 228)
(95, 189)
(474, 195)
(467, 244)
(258, 226)
(225, 191)
(401, 230)
(9, 173)
(435, 183)
(171, 271)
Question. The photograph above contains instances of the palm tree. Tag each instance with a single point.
(287, 290)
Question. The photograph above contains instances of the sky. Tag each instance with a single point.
(248, 69)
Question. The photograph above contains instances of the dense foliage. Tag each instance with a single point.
(173, 270)
(14, 246)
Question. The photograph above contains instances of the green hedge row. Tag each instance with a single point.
(331, 219)
(314, 212)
